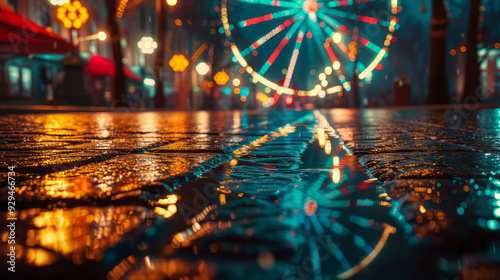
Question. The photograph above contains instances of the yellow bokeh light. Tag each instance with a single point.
(67, 23)
(336, 65)
(221, 78)
(171, 2)
(179, 63)
(337, 37)
(72, 14)
(101, 36)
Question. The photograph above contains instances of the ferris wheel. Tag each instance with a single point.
(310, 47)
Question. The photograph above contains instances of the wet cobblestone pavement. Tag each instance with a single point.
(338, 194)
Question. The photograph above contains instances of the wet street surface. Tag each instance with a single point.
(334, 194)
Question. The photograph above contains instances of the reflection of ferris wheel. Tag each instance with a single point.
(310, 47)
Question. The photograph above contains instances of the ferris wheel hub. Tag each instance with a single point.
(310, 6)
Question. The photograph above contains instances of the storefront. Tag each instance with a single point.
(101, 72)
(29, 56)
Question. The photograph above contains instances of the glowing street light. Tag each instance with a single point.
(147, 45)
(58, 2)
(171, 2)
(336, 65)
(72, 14)
(221, 78)
(101, 36)
(178, 63)
(203, 68)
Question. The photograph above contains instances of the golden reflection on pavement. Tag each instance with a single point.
(79, 234)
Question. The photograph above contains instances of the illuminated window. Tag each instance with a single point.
(27, 81)
(14, 80)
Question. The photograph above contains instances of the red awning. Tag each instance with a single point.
(101, 66)
(21, 36)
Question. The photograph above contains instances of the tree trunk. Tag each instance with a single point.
(472, 84)
(120, 88)
(438, 83)
(161, 11)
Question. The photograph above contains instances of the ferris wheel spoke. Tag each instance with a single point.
(361, 66)
(268, 17)
(344, 3)
(283, 43)
(335, 63)
(363, 40)
(327, 47)
(357, 17)
(293, 60)
(274, 3)
(270, 35)
(330, 33)
(367, 43)
(340, 231)
(331, 21)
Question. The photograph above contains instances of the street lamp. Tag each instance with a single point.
(171, 2)
(72, 14)
(147, 45)
(101, 36)
(58, 2)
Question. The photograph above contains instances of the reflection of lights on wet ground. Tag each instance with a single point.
(167, 208)
(321, 136)
(39, 257)
(266, 260)
(170, 199)
(380, 245)
(328, 147)
(78, 234)
(336, 175)
(222, 199)
(336, 161)
(310, 207)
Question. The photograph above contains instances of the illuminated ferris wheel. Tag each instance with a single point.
(310, 47)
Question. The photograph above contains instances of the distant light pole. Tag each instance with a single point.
(101, 36)
(73, 15)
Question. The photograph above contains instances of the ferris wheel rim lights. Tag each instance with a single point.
(280, 89)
